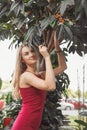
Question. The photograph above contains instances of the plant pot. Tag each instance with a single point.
(7, 121)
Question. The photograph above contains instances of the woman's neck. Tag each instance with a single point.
(31, 69)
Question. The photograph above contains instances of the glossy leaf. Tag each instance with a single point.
(81, 122)
(65, 4)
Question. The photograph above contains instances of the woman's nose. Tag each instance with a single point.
(31, 54)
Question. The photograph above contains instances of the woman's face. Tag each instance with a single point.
(28, 55)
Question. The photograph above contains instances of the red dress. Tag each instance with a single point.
(30, 115)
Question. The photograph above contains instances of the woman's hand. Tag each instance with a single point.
(43, 51)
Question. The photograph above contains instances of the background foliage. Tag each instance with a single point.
(33, 21)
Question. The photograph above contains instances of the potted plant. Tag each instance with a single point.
(11, 110)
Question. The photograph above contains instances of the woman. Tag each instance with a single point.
(32, 85)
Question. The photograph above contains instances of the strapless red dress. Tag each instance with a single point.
(30, 115)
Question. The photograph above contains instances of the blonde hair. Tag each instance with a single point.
(20, 67)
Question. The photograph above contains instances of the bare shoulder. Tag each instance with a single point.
(30, 75)
(23, 75)
(23, 79)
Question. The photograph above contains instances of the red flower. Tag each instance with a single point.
(2, 104)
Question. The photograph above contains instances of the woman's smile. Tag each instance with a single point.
(32, 58)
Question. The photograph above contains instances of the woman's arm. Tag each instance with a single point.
(49, 74)
(61, 59)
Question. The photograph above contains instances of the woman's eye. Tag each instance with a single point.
(26, 53)
(32, 50)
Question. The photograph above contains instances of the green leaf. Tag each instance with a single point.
(68, 32)
(17, 6)
(68, 23)
(21, 22)
(53, 24)
(25, 1)
(65, 4)
(0, 83)
(81, 122)
(3, 11)
(46, 21)
(72, 49)
(84, 5)
(29, 35)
